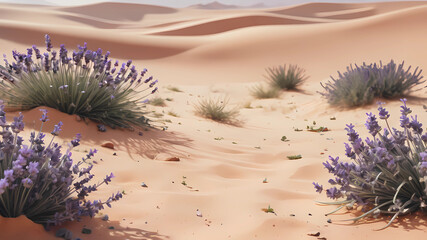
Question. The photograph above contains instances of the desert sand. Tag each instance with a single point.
(223, 53)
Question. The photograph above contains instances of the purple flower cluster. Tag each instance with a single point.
(359, 85)
(82, 57)
(387, 169)
(41, 182)
(83, 82)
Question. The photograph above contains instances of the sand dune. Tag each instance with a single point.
(118, 11)
(345, 10)
(231, 172)
(233, 23)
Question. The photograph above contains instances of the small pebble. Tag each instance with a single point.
(314, 234)
(109, 145)
(144, 185)
(111, 227)
(329, 221)
(86, 231)
(105, 217)
(292, 215)
(114, 154)
(140, 133)
(172, 159)
(198, 213)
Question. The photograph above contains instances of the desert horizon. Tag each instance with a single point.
(231, 171)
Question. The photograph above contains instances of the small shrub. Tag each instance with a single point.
(263, 93)
(216, 110)
(352, 88)
(286, 77)
(88, 84)
(157, 101)
(394, 81)
(174, 89)
(173, 114)
(41, 182)
(360, 85)
(388, 172)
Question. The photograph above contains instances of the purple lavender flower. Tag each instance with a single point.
(351, 133)
(57, 129)
(372, 124)
(423, 156)
(44, 115)
(107, 179)
(405, 110)
(48, 43)
(33, 168)
(404, 121)
(153, 83)
(18, 124)
(27, 183)
(333, 193)
(148, 79)
(415, 125)
(128, 63)
(143, 72)
(3, 185)
(154, 90)
(8, 174)
(46, 62)
(91, 153)
(319, 188)
(76, 141)
(37, 51)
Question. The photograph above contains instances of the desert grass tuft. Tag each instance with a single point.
(286, 77)
(216, 110)
(260, 92)
(174, 89)
(157, 101)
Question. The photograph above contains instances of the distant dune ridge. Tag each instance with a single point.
(217, 50)
(217, 6)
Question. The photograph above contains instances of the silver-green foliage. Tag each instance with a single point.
(88, 85)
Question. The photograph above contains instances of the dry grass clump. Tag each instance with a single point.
(217, 110)
(286, 77)
(157, 101)
(260, 92)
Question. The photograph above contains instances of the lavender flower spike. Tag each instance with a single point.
(44, 115)
(319, 188)
(383, 113)
(57, 129)
(48, 43)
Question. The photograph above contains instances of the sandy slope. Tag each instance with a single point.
(217, 53)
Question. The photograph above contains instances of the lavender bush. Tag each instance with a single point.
(387, 173)
(88, 84)
(38, 181)
(361, 84)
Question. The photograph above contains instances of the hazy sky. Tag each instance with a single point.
(185, 3)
